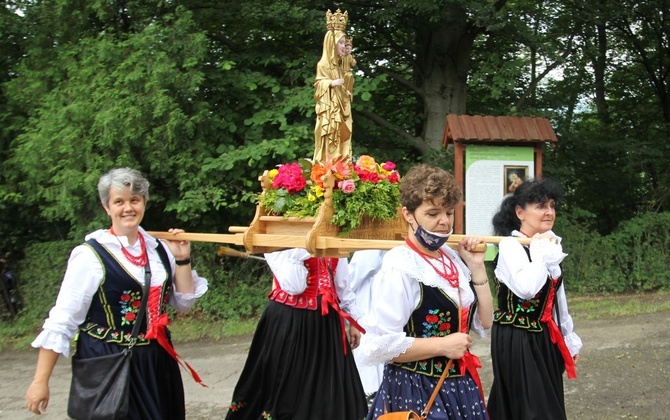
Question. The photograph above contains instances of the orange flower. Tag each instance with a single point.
(317, 173)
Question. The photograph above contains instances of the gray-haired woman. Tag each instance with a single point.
(100, 297)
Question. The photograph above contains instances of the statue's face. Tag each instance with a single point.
(341, 46)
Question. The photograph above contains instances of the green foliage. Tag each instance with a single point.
(378, 201)
(40, 275)
(289, 205)
(238, 287)
(635, 258)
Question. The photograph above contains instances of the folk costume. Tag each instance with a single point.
(532, 339)
(99, 298)
(412, 299)
(300, 365)
(363, 266)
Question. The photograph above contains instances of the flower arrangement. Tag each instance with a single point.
(364, 188)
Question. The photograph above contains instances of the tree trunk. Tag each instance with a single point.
(441, 72)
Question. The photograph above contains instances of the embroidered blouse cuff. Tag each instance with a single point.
(574, 343)
(378, 349)
(52, 340)
(478, 328)
(184, 301)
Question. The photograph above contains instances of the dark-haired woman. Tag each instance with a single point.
(532, 339)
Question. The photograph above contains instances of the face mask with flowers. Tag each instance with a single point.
(362, 189)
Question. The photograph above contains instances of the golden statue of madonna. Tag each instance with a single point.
(333, 92)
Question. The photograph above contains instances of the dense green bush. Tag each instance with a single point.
(40, 276)
(634, 258)
(237, 287)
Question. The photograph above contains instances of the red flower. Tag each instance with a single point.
(432, 319)
(125, 297)
(374, 178)
(136, 304)
(130, 316)
(445, 326)
(393, 177)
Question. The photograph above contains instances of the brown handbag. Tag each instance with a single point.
(411, 415)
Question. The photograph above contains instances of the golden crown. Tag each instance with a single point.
(336, 21)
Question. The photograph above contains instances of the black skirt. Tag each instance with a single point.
(527, 375)
(296, 369)
(156, 388)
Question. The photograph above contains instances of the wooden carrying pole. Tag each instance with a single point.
(342, 245)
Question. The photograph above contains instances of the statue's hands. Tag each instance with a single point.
(337, 82)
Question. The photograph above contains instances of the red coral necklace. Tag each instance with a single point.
(138, 260)
(450, 273)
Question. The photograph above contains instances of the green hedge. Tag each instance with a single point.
(634, 258)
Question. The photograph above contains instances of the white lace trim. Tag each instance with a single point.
(52, 340)
(379, 349)
(411, 265)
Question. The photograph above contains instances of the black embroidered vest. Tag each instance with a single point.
(435, 316)
(522, 313)
(112, 313)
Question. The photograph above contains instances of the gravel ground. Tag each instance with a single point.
(624, 372)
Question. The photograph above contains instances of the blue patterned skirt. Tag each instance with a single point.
(403, 390)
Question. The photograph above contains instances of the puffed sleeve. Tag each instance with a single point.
(395, 297)
(572, 340)
(343, 289)
(81, 282)
(185, 301)
(525, 278)
(288, 266)
(363, 266)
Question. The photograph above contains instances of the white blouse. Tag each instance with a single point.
(525, 278)
(396, 293)
(83, 277)
(288, 266)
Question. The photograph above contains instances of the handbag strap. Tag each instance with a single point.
(424, 413)
(143, 306)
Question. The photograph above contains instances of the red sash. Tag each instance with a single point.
(156, 331)
(555, 333)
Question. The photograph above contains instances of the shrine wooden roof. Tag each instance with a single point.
(477, 128)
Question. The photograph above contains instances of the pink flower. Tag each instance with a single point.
(289, 177)
(347, 186)
(388, 166)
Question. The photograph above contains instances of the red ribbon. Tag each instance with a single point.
(328, 299)
(555, 333)
(156, 331)
(471, 362)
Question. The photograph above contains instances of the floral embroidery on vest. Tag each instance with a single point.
(130, 306)
(266, 415)
(528, 305)
(437, 324)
